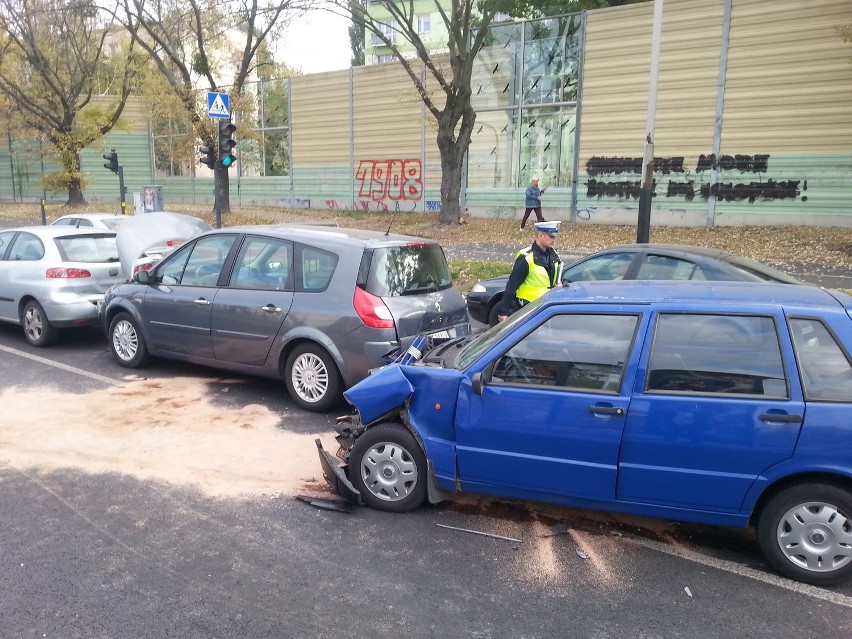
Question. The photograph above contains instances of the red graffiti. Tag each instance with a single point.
(390, 179)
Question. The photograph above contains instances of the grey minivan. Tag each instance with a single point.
(315, 306)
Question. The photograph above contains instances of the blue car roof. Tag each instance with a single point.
(643, 291)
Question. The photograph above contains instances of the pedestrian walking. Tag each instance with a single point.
(533, 202)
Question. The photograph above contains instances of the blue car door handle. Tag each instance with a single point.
(606, 410)
(778, 417)
(202, 302)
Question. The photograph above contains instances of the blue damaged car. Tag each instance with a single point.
(718, 402)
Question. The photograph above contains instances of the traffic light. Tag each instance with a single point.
(111, 161)
(208, 157)
(226, 143)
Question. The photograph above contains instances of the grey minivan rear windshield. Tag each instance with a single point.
(412, 269)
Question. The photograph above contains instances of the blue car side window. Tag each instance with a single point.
(572, 351)
(825, 368)
(709, 354)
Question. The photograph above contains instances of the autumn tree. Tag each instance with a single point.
(208, 45)
(66, 77)
(449, 67)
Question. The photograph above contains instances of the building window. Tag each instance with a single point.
(385, 57)
(389, 31)
(424, 23)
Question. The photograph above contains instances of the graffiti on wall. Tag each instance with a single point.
(604, 180)
(368, 205)
(394, 180)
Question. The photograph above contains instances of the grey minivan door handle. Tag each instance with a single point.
(271, 308)
(202, 302)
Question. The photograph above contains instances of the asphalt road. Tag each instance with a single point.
(110, 555)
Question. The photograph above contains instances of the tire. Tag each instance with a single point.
(37, 328)
(494, 312)
(388, 467)
(805, 532)
(126, 342)
(312, 379)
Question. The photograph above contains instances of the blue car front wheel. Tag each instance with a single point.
(388, 467)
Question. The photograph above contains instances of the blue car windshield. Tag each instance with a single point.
(484, 341)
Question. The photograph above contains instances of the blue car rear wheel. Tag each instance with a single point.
(806, 533)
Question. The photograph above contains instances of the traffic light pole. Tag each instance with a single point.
(123, 190)
(217, 194)
(112, 165)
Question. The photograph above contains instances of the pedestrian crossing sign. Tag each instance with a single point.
(218, 105)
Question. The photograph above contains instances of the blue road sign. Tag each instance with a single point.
(218, 105)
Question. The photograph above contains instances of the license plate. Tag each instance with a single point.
(440, 335)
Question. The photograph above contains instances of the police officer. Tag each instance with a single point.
(537, 269)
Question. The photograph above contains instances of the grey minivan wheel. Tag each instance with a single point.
(126, 342)
(805, 532)
(37, 328)
(312, 379)
(388, 467)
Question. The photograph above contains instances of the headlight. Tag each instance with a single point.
(477, 288)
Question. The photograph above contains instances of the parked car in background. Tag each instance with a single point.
(637, 262)
(53, 277)
(109, 221)
(147, 238)
(715, 402)
(316, 306)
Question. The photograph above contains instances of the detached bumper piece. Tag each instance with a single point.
(336, 478)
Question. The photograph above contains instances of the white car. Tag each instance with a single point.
(144, 240)
(54, 277)
(109, 221)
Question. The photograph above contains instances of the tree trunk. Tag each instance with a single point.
(71, 164)
(450, 187)
(452, 149)
(225, 193)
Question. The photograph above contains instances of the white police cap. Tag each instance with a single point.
(551, 228)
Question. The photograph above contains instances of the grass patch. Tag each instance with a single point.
(466, 273)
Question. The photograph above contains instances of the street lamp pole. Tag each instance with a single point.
(646, 190)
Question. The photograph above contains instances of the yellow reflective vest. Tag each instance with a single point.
(537, 282)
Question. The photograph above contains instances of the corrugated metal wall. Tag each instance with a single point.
(779, 114)
(785, 131)
(358, 141)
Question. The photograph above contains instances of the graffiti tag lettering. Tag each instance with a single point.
(390, 180)
(688, 188)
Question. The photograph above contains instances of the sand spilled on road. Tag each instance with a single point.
(166, 429)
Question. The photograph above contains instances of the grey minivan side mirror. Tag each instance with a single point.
(143, 277)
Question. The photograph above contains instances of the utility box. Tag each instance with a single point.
(152, 198)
